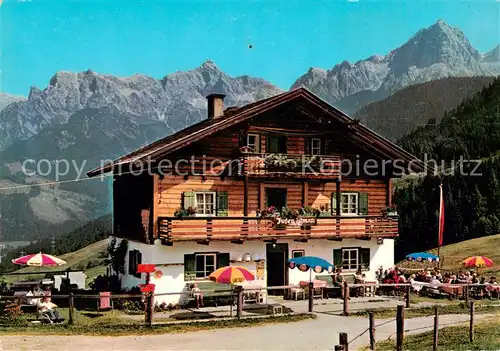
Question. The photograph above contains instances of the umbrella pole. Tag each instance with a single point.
(310, 275)
(231, 300)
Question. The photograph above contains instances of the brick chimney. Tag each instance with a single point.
(215, 105)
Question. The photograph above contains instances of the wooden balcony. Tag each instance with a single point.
(171, 229)
(304, 166)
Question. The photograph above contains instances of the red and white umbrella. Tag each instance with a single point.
(40, 259)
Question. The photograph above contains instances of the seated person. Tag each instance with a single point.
(435, 282)
(197, 295)
(338, 280)
(48, 309)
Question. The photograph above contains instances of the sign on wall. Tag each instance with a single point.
(296, 222)
(260, 269)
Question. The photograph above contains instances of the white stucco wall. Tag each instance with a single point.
(173, 275)
(380, 255)
(172, 279)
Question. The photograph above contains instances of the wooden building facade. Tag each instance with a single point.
(209, 195)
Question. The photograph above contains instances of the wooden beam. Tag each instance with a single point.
(305, 193)
(245, 195)
(388, 192)
(262, 196)
(339, 197)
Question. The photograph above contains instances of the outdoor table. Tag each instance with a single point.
(317, 284)
(452, 290)
(417, 286)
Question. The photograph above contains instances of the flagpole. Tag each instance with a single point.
(441, 222)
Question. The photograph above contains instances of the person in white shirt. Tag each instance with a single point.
(435, 283)
(198, 296)
(48, 308)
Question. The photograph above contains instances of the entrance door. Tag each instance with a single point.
(276, 197)
(276, 266)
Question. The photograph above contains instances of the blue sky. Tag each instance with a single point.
(39, 38)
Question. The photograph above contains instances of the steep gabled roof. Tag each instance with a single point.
(362, 136)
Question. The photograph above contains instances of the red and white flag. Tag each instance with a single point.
(441, 216)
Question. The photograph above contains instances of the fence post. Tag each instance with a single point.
(345, 311)
(466, 293)
(148, 301)
(408, 290)
(311, 296)
(471, 325)
(339, 348)
(343, 341)
(239, 301)
(400, 328)
(372, 330)
(71, 307)
(436, 329)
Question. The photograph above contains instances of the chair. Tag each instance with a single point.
(104, 303)
(369, 289)
(296, 292)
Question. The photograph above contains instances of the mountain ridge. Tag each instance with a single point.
(436, 52)
(87, 115)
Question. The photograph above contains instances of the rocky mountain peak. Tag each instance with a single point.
(177, 100)
(492, 55)
(6, 99)
(435, 52)
(439, 43)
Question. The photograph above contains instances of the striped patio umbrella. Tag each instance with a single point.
(231, 275)
(39, 260)
(477, 261)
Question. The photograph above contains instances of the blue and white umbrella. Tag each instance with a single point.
(422, 256)
(310, 263)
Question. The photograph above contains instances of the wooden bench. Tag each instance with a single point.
(213, 294)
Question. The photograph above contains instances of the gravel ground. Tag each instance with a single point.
(317, 334)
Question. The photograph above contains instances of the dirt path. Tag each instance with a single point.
(317, 334)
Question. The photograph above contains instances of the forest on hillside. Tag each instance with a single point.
(414, 106)
(77, 239)
(471, 131)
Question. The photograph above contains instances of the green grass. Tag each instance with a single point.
(486, 337)
(110, 327)
(75, 260)
(482, 307)
(453, 255)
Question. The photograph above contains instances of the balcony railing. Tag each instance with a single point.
(173, 229)
(263, 164)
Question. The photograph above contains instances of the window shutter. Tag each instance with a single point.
(334, 202)
(242, 139)
(337, 258)
(364, 261)
(222, 203)
(326, 145)
(363, 204)
(188, 200)
(222, 260)
(307, 146)
(189, 267)
(131, 263)
(138, 261)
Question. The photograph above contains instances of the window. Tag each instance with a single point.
(349, 203)
(205, 264)
(298, 253)
(134, 259)
(276, 144)
(315, 146)
(352, 258)
(205, 203)
(253, 141)
(276, 197)
(200, 265)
